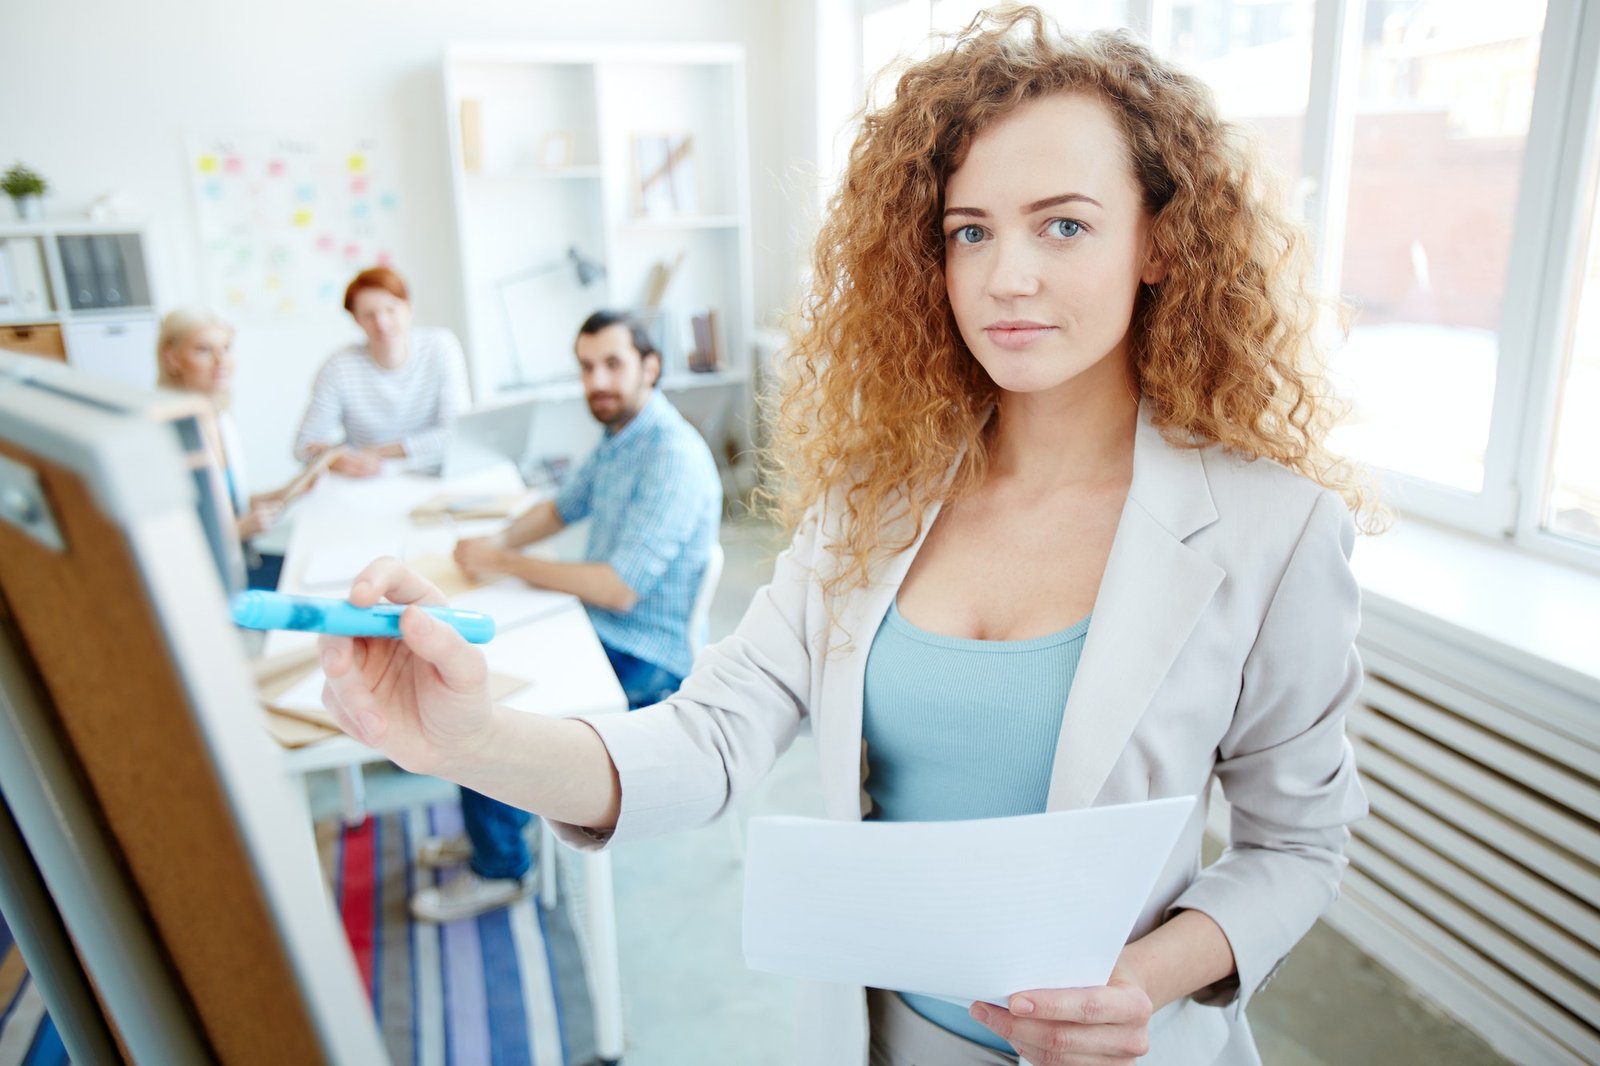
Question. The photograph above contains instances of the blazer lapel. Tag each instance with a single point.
(1153, 592)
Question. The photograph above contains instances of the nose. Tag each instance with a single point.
(1013, 270)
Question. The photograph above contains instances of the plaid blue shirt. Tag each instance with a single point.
(655, 500)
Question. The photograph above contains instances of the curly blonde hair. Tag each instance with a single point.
(880, 393)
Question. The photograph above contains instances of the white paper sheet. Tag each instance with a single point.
(338, 564)
(305, 695)
(511, 602)
(971, 910)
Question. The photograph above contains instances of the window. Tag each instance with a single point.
(1445, 156)
(1571, 506)
(895, 33)
(1257, 59)
(1440, 123)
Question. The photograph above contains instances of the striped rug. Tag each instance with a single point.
(27, 1035)
(503, 989)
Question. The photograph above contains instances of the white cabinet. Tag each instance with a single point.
(80, 290)
(633, 159)
(121, 349)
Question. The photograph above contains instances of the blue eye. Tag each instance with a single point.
(1063, 227)
(967, 235)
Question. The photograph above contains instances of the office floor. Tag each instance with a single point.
(689, 1001)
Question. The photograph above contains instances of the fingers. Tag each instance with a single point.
(340, 655)
(1062, 1043)
(1110, 1004)
(1101, 1025)
(387, 578)
(461, 667)
(344, 693)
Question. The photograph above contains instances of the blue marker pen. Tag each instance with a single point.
(274, 610)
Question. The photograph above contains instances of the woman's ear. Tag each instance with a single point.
(1155, 261)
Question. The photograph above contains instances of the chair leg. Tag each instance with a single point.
(605, 973)
(352, 794)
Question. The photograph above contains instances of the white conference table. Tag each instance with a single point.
(570, 674)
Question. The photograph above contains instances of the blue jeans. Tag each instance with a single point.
(499, 848)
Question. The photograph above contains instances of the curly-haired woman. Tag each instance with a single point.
(1067, 537)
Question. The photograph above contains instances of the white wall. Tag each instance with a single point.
(104, 96)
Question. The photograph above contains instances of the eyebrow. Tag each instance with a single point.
(1027, 209)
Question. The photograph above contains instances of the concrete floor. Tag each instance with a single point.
(689, 1000)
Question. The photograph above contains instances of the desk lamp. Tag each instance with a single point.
(587, 271)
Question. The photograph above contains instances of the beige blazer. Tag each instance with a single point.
(1221, 646)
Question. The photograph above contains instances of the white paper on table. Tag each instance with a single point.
(966, 910)
(511, 602)
(304, 695)
(338, 564)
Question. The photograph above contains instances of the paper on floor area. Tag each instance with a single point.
(511, 601)
(970, 910)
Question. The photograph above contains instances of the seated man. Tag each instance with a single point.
(654, 499)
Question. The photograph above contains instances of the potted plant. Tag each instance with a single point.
(26, 187)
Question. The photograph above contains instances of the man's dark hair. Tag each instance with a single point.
(604, 319)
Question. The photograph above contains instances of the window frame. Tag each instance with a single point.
(1556, 185)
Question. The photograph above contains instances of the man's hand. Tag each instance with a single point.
(482, 556)
(1107, 1026)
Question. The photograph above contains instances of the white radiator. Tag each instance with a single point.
(1477, 875)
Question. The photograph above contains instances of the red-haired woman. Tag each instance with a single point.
(1067, 536)
(393, 397)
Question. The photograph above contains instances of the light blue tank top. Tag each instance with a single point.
(959, 728)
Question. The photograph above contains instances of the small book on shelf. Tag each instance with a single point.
(704, 357)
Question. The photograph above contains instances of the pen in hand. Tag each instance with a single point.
(259, 609)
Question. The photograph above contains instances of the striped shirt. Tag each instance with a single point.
(654, 497)
(370, 405)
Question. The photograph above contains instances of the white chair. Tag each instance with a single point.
(700, 614)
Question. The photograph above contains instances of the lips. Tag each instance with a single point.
(1013, 334)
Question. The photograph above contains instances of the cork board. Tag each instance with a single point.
(123, 711)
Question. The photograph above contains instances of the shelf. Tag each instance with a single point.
(580, 173)
(108, 314)
(557, 389)
(509, 108)
(685, 380)
(571, 388)
(50, 227)
(682, 222)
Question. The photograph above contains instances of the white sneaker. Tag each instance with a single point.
(436, 853)
(467, 895)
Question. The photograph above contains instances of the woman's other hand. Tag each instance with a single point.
(263, 515)
(1106, 1026)
(356, 462)
(422, 700)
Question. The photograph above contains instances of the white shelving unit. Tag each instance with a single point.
(545, 147)
(80, 290)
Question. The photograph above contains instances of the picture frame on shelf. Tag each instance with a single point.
(663, 175)
(556, 150)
